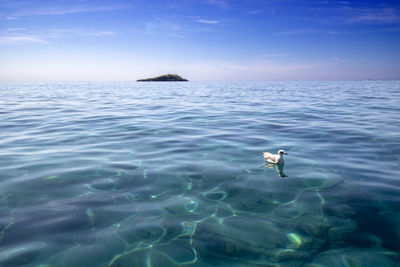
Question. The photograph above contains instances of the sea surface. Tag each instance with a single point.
(171, 174)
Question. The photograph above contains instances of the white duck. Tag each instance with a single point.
(274, 159)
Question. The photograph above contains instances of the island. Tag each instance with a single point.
(164, 78)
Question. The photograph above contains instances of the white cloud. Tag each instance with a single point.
(18, 36)
(309, 31)
(58, 33)
(254, 12)
(208, 21)
(21, 8)
(20, 39)
(61, 10)
(370, 15)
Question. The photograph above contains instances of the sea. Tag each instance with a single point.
(171, 174)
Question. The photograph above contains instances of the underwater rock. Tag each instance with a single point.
(180, 251)
(308, 236)
(140, 230)
(236, 238)
(102, 249)
(378, 224)
(306, 205)
(142, 257)
(224, 211)
(317, 180)
(179, 205)
(338, 210)
(215, 195)
(235, 190)
(340, 228)
(354, 257)
(20, 255)
(240, 227)
(164, 78)
(211, 245)
(28, 224)
(256, 201)
(304, 222)
(173, 228)
(290, 255)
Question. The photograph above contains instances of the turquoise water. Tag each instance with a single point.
(170, 174)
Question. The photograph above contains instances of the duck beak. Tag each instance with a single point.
(285, 153)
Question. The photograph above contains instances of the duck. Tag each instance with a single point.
(274, 159)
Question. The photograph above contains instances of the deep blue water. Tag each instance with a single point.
(170, 174)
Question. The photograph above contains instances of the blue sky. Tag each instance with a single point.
(124, 40)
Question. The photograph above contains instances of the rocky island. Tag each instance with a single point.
(164, 78)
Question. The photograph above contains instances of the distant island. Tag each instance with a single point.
(164, 78)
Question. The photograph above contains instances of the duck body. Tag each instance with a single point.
(274, 159)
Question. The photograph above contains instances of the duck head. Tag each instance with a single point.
(282, 152)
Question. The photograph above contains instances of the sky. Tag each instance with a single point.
(125, 40)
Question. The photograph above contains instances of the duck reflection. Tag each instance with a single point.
(278, 167)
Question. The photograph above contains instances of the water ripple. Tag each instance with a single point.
(167, 174)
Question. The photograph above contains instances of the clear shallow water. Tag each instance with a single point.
(170, 174)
